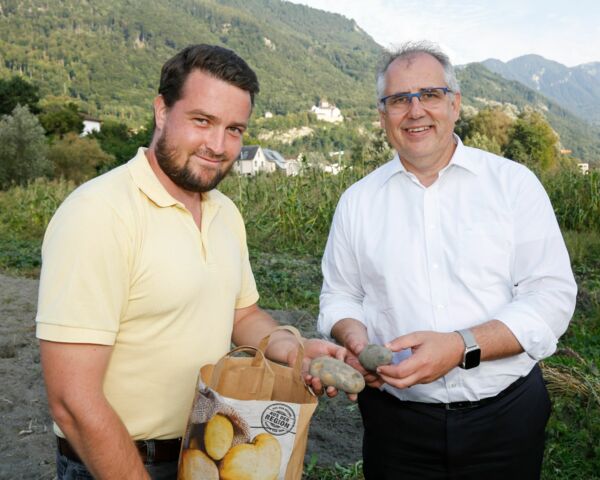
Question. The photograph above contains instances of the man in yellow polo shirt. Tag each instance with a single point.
(146, 277)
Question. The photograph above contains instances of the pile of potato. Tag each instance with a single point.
(258, 460)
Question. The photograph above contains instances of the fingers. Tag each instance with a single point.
(404, 341)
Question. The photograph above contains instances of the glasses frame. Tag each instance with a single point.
(410, 96)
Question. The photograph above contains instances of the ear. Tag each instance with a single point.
(456, 105)
(381, 119)
(160, 112)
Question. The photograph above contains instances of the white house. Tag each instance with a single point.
(90, 125)
(584, 168)
(327, 112)
(252, 160)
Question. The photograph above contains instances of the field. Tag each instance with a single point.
(288, 221)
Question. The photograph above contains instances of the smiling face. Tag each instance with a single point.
(199, 137)
(422, 137)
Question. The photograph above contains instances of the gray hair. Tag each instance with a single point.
(409, 50)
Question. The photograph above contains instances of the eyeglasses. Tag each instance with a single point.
(400, 102)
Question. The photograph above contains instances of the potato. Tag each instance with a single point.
(338, 374)
(196, 465)
(259, 460)
(218, 435)
(373, 356)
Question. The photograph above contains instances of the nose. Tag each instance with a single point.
(216, 140)
(416, 110)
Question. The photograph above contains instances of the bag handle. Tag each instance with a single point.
(262, 346)
(259, 360)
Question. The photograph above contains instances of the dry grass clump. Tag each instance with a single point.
(573, 381)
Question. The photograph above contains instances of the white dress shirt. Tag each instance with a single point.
(480, 243)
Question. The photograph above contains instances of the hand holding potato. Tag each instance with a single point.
(433, 355)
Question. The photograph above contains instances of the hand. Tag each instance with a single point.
(355, 343)
(433, 355)
(314, 348)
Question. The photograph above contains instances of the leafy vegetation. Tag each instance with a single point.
(287, 222)
(106, 58)
(103, 58)
(22, 148)
(481, 88)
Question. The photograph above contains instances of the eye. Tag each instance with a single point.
(397, 100)
(236, 131)
(200, 121)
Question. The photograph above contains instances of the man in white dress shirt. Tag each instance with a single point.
(452, 257)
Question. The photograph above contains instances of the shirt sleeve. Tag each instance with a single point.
(84, 281)
(342, 293)
(544, 289)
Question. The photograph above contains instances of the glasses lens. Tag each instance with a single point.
(431, 96)
(400, 102)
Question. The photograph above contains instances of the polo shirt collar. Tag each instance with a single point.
(146, 180)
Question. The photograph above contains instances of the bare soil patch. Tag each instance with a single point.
(26, 438)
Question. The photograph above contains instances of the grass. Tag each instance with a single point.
(288, 221)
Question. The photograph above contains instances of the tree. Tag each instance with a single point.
(533, 142)
(119, 141)
(23, 148)
(479, 140)
(59, 118)
(493, 124)
(17, 91)
(77, 158)
(370, 151)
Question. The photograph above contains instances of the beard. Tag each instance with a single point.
(183, 176)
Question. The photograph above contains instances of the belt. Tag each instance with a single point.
(475, 403)
(151, 451)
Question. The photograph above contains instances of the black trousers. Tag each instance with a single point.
(503, 439)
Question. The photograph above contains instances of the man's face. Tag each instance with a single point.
(421, 136)
(200, 136)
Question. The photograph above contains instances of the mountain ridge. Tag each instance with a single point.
(575, 88)
(107, 55)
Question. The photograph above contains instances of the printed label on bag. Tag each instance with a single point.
(278, 419)
(227, 437)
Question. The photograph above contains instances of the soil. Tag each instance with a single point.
(27, 445)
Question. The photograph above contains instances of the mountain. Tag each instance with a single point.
(480, 86)
(577, 89)
(107, 54)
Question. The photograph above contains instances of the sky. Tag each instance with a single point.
(567, 32)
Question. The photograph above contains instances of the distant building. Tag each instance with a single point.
(584, 167)
(90, 125)
(268, 115)
(327, 112)
(252, 160)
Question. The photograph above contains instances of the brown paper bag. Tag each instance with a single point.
(249, 419)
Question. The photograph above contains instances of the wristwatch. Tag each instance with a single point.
(472, 354)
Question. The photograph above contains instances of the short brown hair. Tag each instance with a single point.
(219, 62)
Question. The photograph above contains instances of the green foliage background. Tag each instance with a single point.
(106, 56)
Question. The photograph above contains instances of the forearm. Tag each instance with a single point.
(253, 324)
(98, 435)
(74, 375)
(348, 331)
(496, 341)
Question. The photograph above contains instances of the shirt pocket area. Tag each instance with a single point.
(485, 252)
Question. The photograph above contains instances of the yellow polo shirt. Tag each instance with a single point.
(124, 264)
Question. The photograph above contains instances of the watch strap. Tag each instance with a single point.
(468, 337)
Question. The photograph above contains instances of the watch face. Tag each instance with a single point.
(472, 358)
